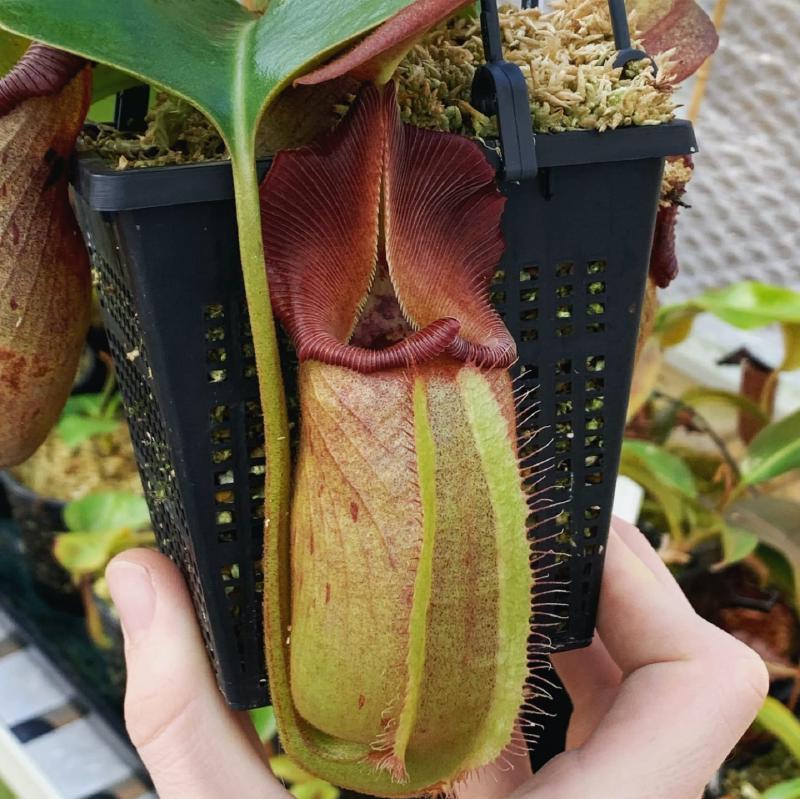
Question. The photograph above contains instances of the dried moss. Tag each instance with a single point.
(101, 463)
(566, 55)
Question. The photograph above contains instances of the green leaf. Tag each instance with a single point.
(88, 552)
(777, 719)
(774, 521)
(74, 430)
(701, 395)
(669, 469)
(87, 404)
(107, 81)
(263, 719)
(774, 451)
(107, 511)
(229, 61)
(790, 789)
(737, 544)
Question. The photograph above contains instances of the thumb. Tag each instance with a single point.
(192, 744)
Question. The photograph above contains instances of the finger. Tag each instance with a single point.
(500, 778)
(691, 692)
(191, 743)
(592, 680)
(641, 547)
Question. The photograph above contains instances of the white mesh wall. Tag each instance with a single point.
(745, 219)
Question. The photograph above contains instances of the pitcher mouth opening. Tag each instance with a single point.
(381, 242)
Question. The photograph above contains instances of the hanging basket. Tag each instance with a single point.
(578, 223)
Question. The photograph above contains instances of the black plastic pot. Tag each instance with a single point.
(39, 519)
(579, 225)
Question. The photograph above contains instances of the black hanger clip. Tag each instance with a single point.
(499, 89)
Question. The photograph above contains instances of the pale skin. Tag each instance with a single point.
(661, 696)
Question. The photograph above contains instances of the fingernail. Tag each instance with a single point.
(132, 591)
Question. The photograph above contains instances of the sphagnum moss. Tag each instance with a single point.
(566, 55)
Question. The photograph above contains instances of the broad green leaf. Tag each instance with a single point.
(669, 469)
(774, 451)
(777, 719)
(737, 544)
(218, 55)
(702, 395)
(774, 521)
(263, 719)
(87, 553)
(107, 511)
(790, 789)
(107, 81)
(74, 430)
(671, 503)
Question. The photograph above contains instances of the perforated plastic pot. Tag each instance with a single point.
(570, 287)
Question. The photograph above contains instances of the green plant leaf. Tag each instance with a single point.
(107, 81)
(669, 469)
(790, 789)
(84, 404)
(84, 553)
(777, 719)
(737, 544)
(746, 305)
(263, 719)
(702, 395)
(774, 521)
(107, 511)
(774, 451)
(74, 430)
(230, 61)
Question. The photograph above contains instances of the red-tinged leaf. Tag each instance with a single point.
(681, 25)
(376, 57)
(44, 271)
(322, 211)
(664, 258)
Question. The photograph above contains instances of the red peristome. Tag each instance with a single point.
(435, 195)
(687, 29)
(385, 44)
(425, 345)
(42, 71)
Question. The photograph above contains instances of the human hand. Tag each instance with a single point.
(660, 697)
